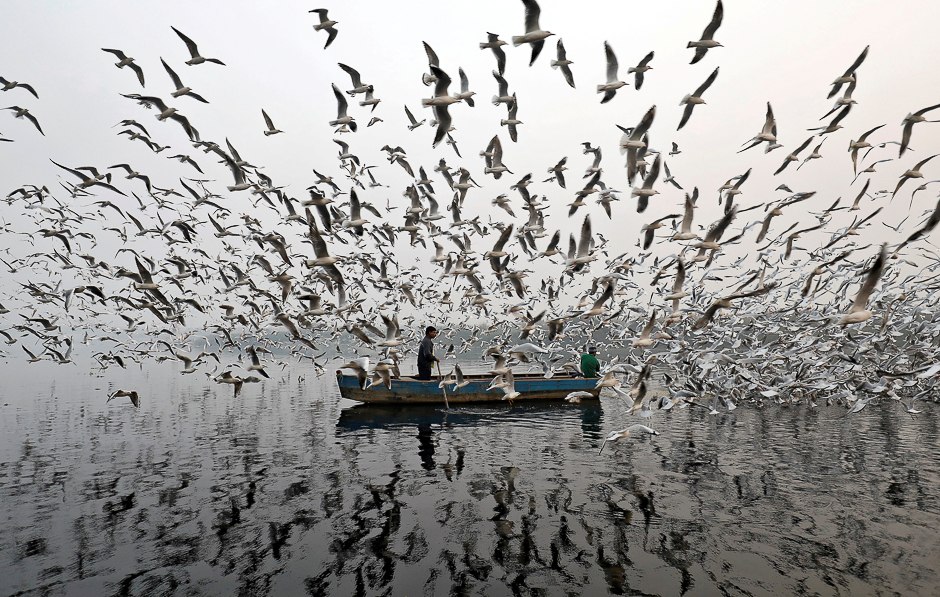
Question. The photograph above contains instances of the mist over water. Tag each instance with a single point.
(289, 489)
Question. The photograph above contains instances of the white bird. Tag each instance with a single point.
(342, 118)
(639, 69)
(562, 62)
(128, 62)
(194, 51)
(534, 35)
(270, 124)
(708, 36)
(609, 89)
(325, 24)
(618, 435)
(180, 88)
(696, 98)
(859, 311)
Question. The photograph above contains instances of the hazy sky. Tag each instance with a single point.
(786, 53)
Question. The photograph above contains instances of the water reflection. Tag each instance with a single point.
(289, 490)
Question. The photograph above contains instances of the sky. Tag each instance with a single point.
(783, 53)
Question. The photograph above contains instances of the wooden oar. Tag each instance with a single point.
(443, 385)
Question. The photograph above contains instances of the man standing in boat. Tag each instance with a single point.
(589, 363)
(426, 358)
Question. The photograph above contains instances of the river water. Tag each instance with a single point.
(288, 489)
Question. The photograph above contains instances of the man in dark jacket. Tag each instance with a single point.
(426, 358)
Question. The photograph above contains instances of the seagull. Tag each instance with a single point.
(834, 125)
(125, 61)
(618, 435)
(358, 86)
(512, 121)
(341, 117)
(563, 63)
(414, 123)
(267, 120)
(24, 113)
(534, 36)
(633, 141)
(558, 171)
(493, 42)
(707, 41)
(909, 121)
(194, 51)
(854, 146)
(325, 24)
(8, 85)
(768, 133)
(609, 89)
(639, 69)
(792, 157)
(180, 88)
(912, 173)
(166, 112)
(849, 75)
(132, 394)
(256, 362)
(685, 230)
(650, 229)
(465, 93)
(439, 102)
(696, 97)
(858, 313)
(646, 191)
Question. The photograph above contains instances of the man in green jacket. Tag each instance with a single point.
(589, 363)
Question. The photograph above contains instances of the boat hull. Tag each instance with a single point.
(408, 390)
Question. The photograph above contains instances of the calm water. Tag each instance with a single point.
(290, 490)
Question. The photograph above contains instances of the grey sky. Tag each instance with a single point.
(783, 52)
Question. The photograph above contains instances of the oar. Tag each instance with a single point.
(443, 385)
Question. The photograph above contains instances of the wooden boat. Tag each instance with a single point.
(408, 390)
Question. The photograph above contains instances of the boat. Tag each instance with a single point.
(409, 390)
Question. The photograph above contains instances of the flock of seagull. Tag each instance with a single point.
(843, 324)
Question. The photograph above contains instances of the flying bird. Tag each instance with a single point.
(563, 63)
(128, 62)
(707, 41)
(325, 24)
(194, 51)
(534, 35)
(696, 98)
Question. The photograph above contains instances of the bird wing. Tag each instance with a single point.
(190, 44)
(267, 120)
(443, 122)
(874, 273)
(432, 56)
(532, 12)
(340, 102)
(120, 55)
(612, 65)
(443, 81)
(715, 23)
(173, 75)
(353, 74)
(140, 72)
(686, 114)
(708, 82)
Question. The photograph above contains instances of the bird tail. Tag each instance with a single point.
(495, 100)
(690, 45)
(517, 40)
(623, 143)
(685, 100)
(600, 89)
(554, 65)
